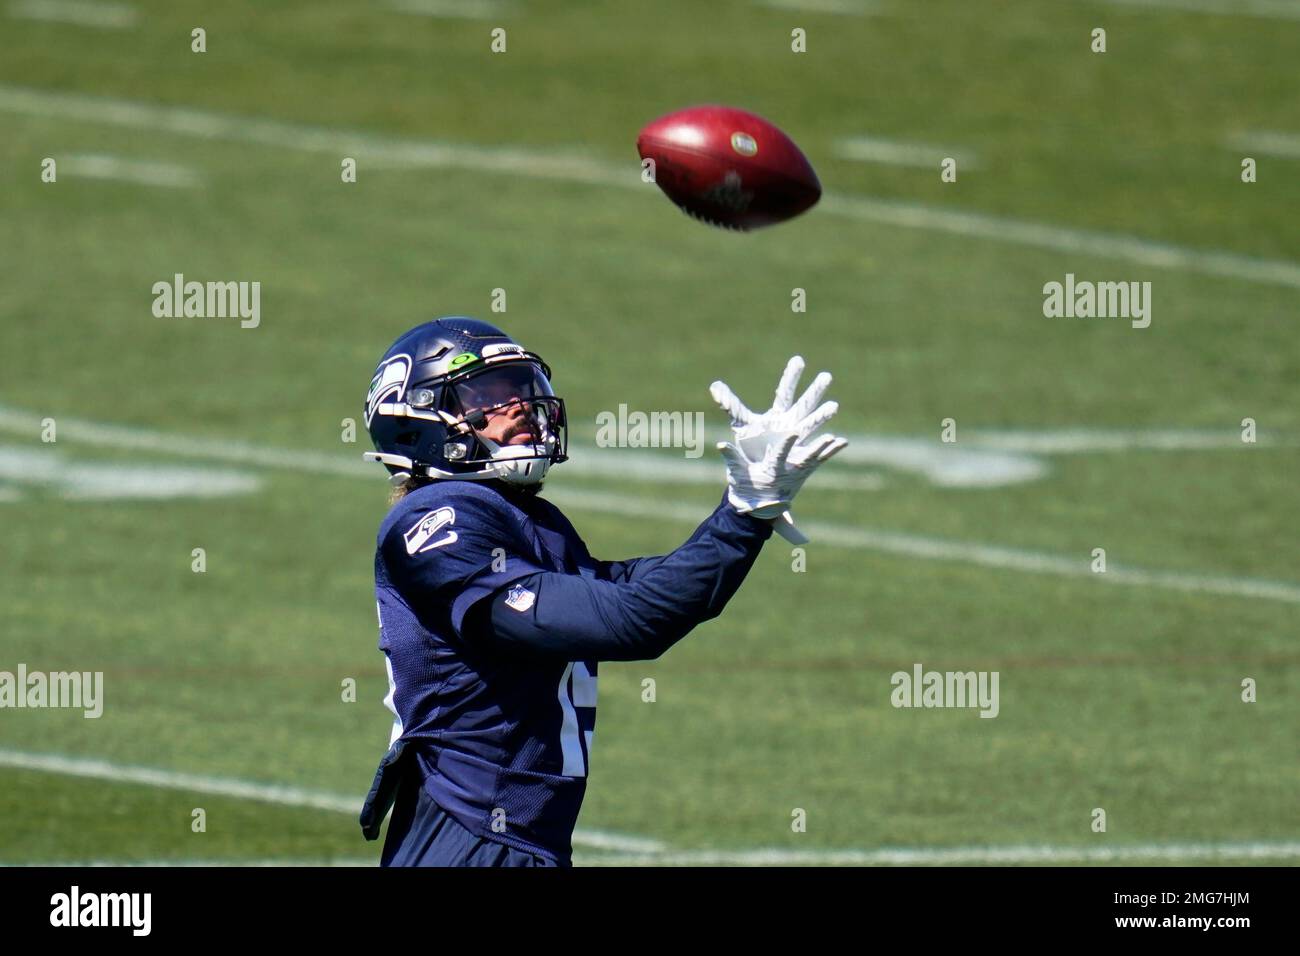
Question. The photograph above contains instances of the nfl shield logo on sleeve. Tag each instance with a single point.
(520, 598)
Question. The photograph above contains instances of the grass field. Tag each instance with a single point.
(479, 171)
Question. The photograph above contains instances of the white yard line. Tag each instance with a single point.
(888, 542)
(574, 167)
(1267, 143)
(871, 149)
(92, 769)
(1074, 441)
(942, 549)
(45, 467)
(452, 9)
(852, 8)
(360, 145)
(1102, 245)
(18, 422)
(587, 461)
(627, 850)
(1262, 9)
(919, 856)
(962, 464)
(104, 16)
(119, 168)
(1255, 850)
(269, 862)
(668, 467)
(277, 794)
(981, 459)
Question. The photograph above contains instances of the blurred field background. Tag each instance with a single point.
(479, 171)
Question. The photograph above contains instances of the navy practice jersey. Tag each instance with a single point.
(493, 616)
(494, 735)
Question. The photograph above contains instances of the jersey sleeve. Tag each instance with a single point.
(452, 551)
(619, 572)
(627, 571)
(636, 616)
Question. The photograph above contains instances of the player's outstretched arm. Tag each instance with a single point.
(649, 604)
(628, 570)
(573, 617)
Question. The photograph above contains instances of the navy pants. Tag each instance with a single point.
(421, 833)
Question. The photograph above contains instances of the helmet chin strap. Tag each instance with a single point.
(517, 464)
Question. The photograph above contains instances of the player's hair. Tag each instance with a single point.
(405, 488)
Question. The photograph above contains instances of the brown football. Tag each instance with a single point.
(728, 167)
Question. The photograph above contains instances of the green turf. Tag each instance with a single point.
(1116, 696)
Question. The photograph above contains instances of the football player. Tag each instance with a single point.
(493, 616)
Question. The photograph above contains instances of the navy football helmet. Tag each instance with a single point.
(458, 398)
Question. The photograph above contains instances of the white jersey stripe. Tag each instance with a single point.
(574, 765)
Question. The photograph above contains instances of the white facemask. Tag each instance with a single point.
(520, 464)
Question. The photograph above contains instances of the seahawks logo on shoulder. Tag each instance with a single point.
(422, 535)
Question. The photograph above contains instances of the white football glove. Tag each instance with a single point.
(773, 454)
(754, 432)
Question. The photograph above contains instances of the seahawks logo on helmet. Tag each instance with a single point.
(390, 380)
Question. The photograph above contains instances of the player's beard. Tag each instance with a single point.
(524, 439)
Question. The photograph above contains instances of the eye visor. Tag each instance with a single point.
(476, 397)
(495, 386)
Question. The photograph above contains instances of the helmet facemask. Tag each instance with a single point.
(516, 422)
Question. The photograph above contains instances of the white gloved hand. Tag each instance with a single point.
(754, 432)
(772, 454)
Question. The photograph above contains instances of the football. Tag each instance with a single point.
(728, 167)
